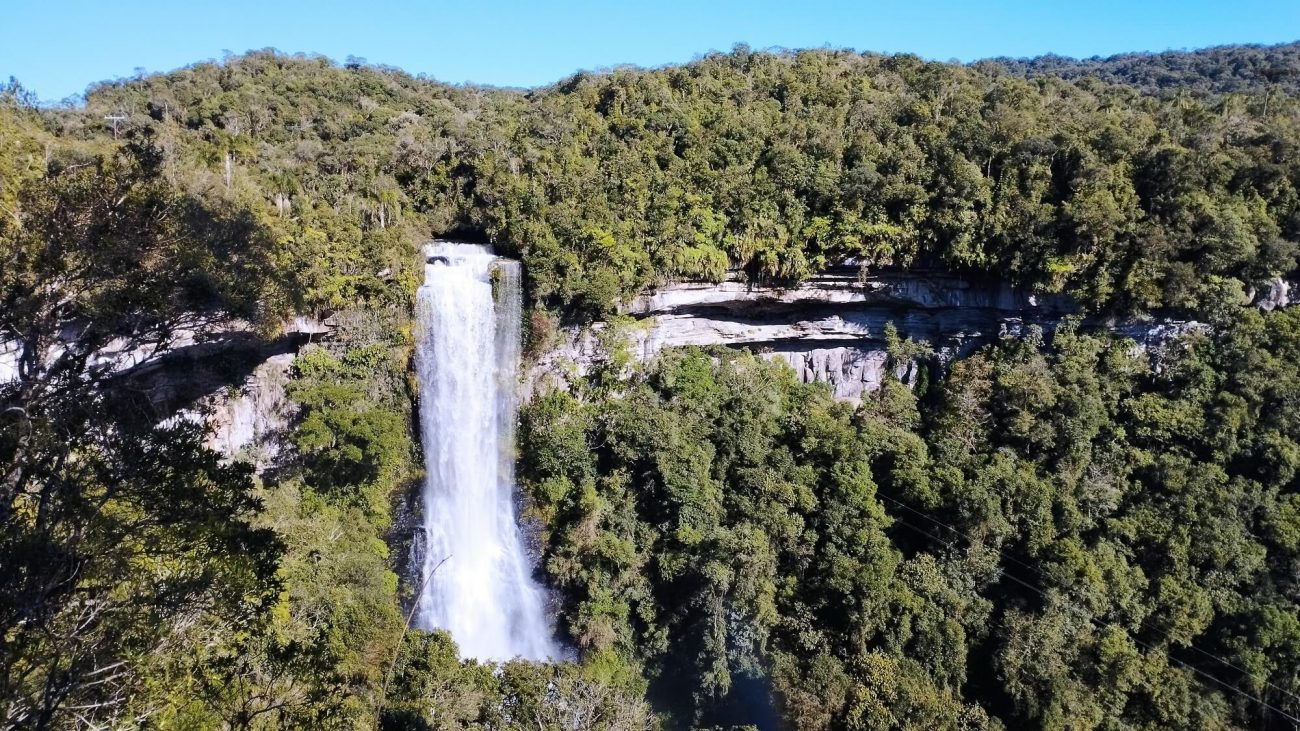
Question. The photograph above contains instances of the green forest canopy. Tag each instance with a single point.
(1132, 195)
(1055, 532)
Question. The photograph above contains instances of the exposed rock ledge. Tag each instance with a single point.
(227, 376)
(832, 328)
(240, 392)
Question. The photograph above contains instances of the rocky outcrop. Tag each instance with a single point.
(239, 391)
(1279, 293)
(227, 376)
(832, 328)
(249, 420)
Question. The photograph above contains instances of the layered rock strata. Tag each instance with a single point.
(832, 328)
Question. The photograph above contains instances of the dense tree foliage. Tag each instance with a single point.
(777, 163)
(1063, 534)
(1058, 531)
(147, 582)
(1222, 70)
(116, 532)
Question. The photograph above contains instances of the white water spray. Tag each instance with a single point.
(468, 364)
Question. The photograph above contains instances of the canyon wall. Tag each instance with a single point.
(832, 328)
(226, 375)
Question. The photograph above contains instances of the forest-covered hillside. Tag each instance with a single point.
(780, 163)
(1222, 70)
(1059, 531)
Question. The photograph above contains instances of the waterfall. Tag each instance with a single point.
(467, 360)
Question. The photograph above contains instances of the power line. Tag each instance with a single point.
(397, 652)
(1088, 616)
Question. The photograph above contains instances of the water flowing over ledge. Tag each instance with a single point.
(478, 579)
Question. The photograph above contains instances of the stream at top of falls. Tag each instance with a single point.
(478, 580)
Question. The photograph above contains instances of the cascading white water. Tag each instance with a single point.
(482, 590)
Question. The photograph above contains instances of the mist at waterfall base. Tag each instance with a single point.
(478, 578)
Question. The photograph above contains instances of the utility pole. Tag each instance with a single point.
(114, 119)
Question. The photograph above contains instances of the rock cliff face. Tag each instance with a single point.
(829, 329)
(832, 328)
(225, 376)
(249, 419)
(240, 392)
(1279, 293)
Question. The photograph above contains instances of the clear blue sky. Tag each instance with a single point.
(57, 47)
